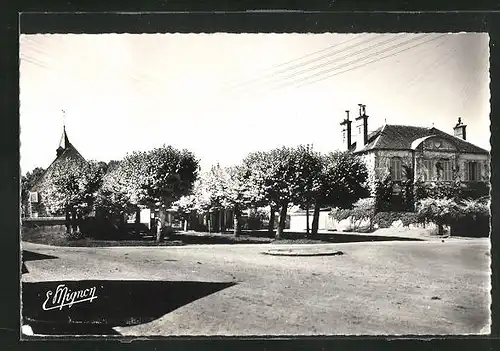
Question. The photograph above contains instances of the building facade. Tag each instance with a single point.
(404, 152)
(422, 154)
(65, 151)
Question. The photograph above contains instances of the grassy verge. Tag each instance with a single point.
(58, 238)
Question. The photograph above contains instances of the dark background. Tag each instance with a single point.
(227, 16)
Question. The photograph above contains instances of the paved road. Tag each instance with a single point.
(374, 288)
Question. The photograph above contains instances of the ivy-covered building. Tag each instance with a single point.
(65, 151)
(418, 154)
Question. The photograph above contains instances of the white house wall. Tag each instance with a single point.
(298, 221)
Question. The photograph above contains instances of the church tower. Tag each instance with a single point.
(63, 143)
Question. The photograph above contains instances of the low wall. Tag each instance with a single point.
(298, 221)
(44, 224)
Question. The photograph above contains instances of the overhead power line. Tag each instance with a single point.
(480, 70)
(273, 68)
(349, 55)
(438, 62)
(281, 83)
(321, 75)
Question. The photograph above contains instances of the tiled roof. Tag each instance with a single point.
(399, 137)
(69, 152)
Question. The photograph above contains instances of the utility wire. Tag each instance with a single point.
(271, 74)
(438, 62)
(361, 65)
(352, 54)
(364, 58)
(473, 78)
(35, 62)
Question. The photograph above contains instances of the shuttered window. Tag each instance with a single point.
(472, 171)
(427, 170)
(396, 171)
(446, 170)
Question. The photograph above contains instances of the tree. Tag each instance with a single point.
(185, 206)
(27, 182)
(283, 177)
(236, 194)
(309, 165)
(255, 166)
(169, 174)
(343, 181)
(71, 187)
(209, 193)
(154, 178)
(116, 195)
(224, 188)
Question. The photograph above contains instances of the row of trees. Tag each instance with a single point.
(166, 177)
(277, 179)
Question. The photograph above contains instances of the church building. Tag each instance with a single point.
(65, 151)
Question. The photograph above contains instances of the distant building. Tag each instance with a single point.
(429, 153)
(401, 151)
(65, 151)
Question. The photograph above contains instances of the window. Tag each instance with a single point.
(447, 173)
(396, 172)
(33, 196)
(472, 171)
(427, 170)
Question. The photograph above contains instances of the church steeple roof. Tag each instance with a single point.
(64, 143)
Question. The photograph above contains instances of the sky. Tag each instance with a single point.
(225, 95)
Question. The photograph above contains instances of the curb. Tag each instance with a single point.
(291, 253)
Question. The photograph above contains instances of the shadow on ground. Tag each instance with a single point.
(217, 238)
(33, 256)
(334, 237)
(118, 303)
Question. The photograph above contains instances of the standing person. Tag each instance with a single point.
(158, 230)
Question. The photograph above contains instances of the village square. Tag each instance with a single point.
(382, 228)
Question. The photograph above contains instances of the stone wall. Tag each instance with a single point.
(45, 224)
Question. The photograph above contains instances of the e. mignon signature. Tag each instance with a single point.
(63, 296)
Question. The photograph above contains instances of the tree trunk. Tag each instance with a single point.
(236, 219)
(185, 224)
(68, 221)
(74, 221)
(307, 220)
(315, 222)
(282, 222)
(221, 222)
(270, 227)
(158, 231)
(440, 229)
(121, 224)
(137, 215)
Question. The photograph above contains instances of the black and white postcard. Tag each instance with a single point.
(255, 184)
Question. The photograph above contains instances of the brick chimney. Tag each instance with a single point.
(460, 129)
(362, 126)
(346, 132)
